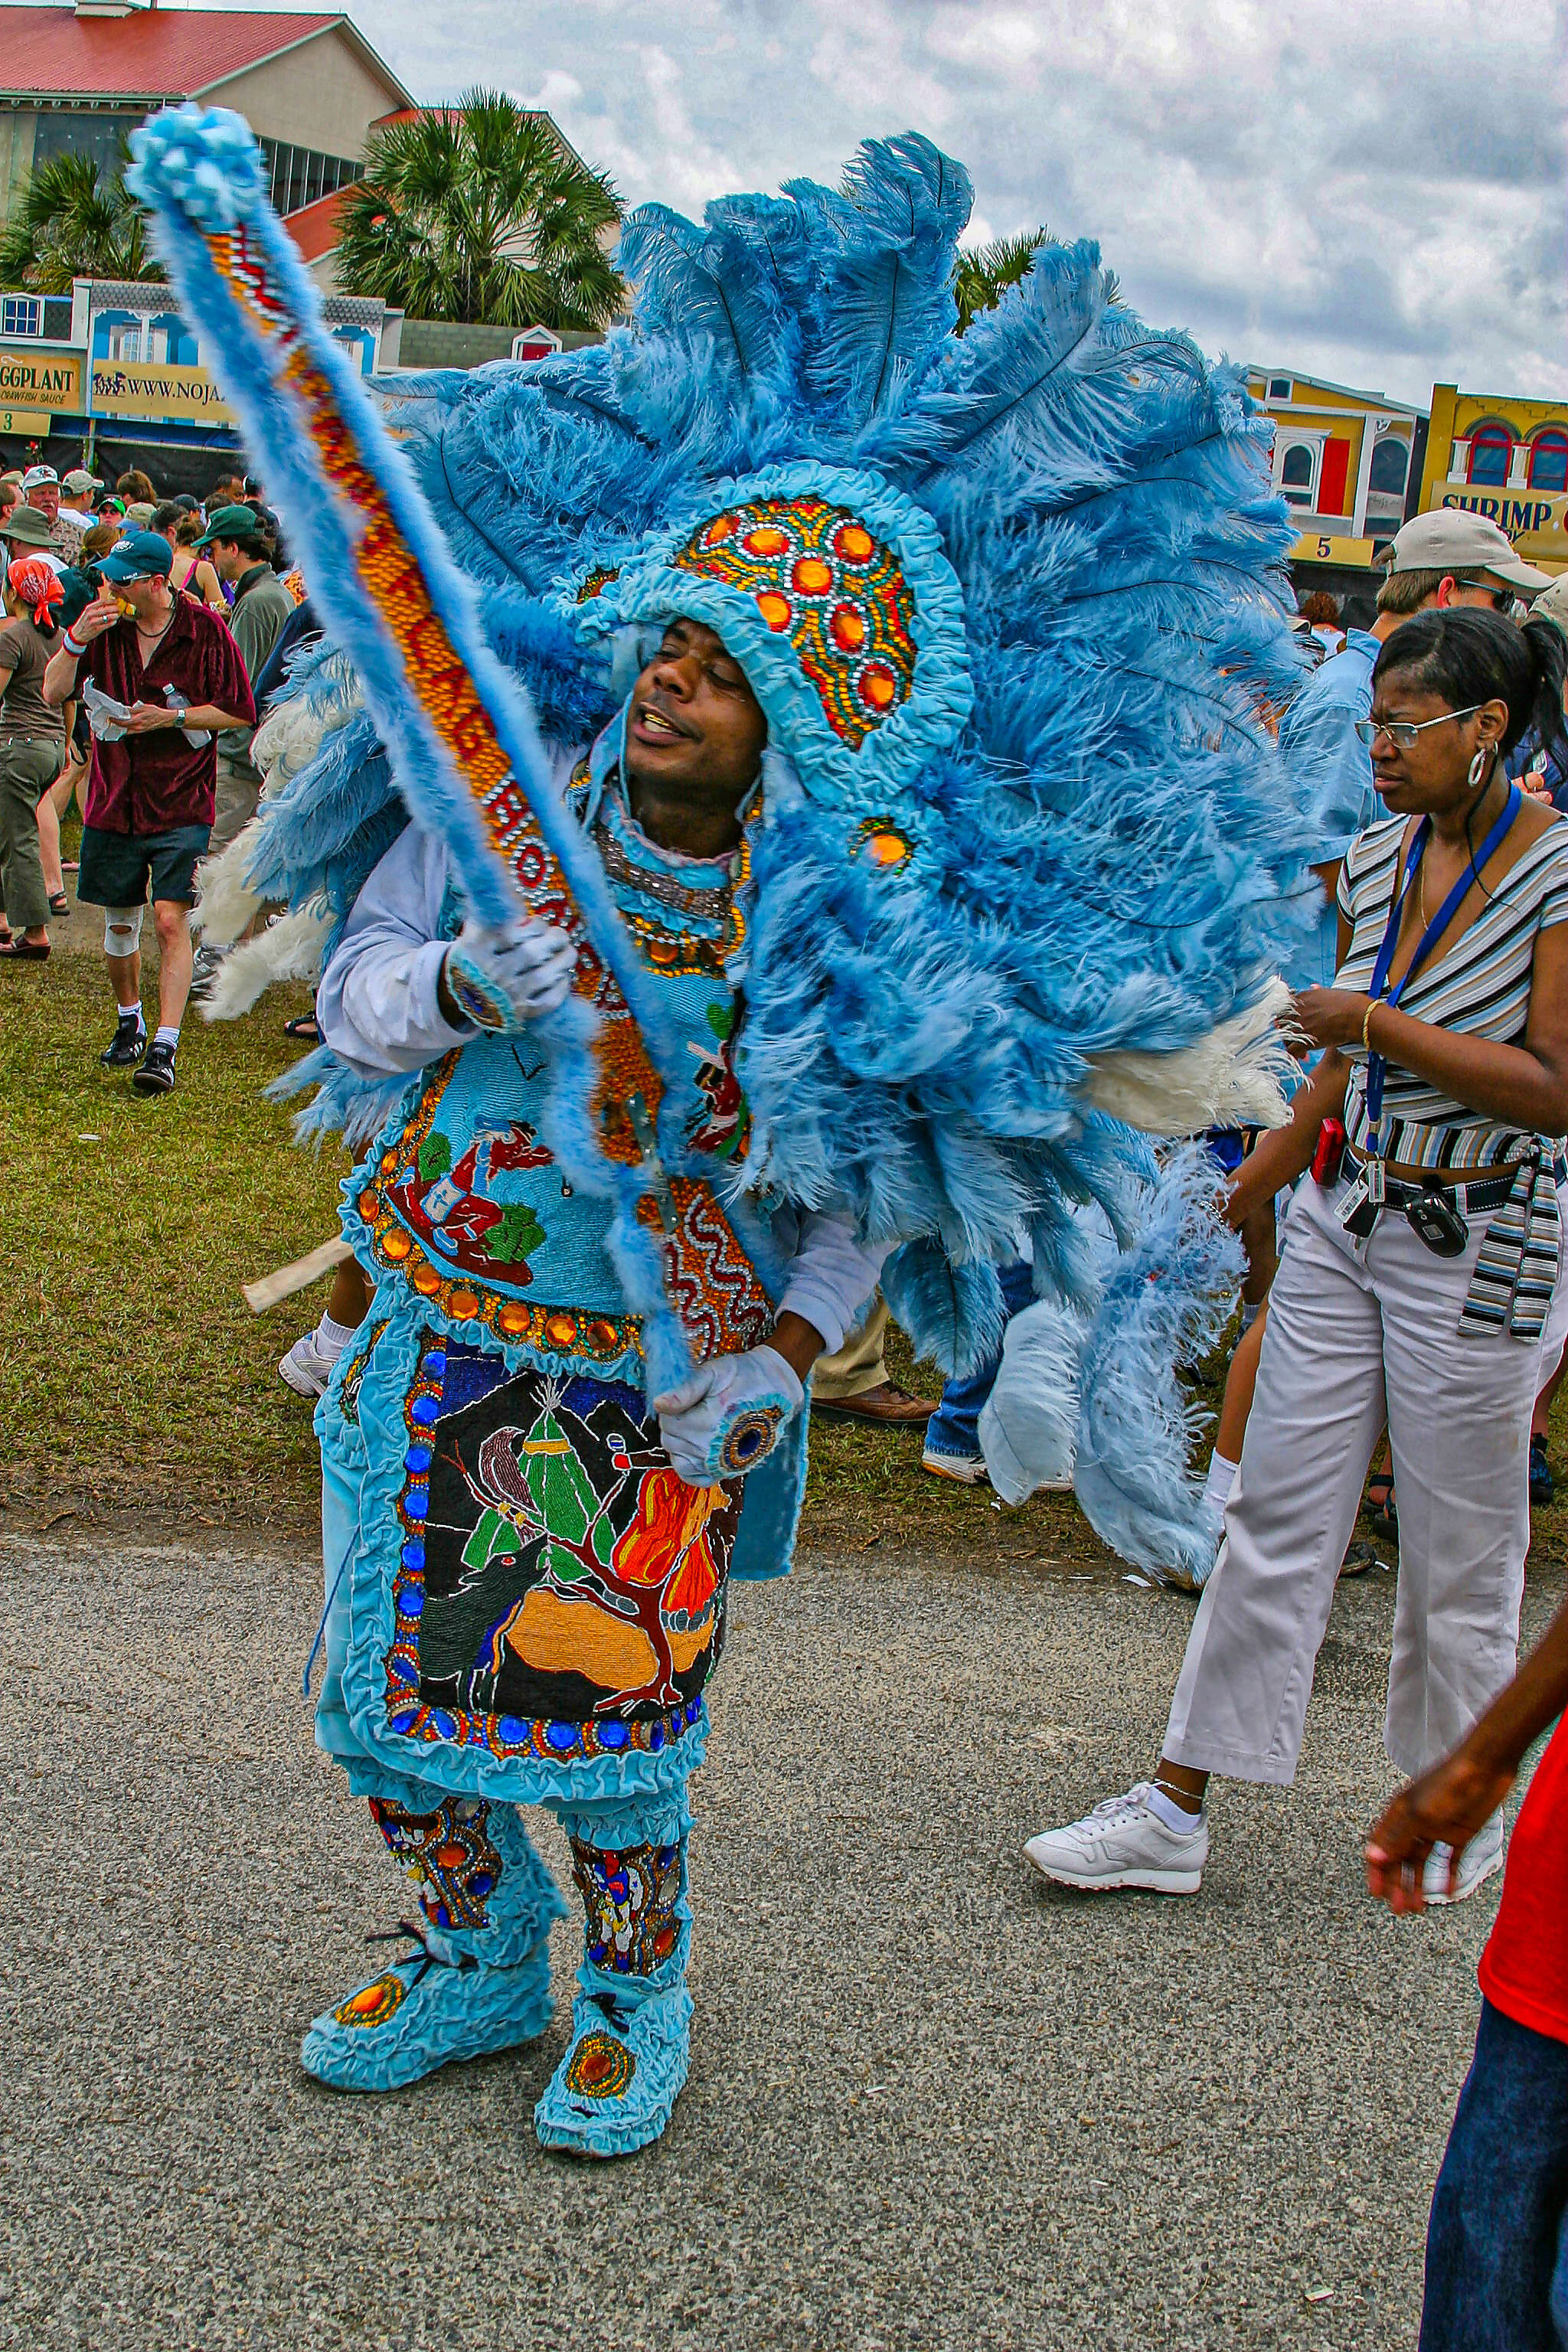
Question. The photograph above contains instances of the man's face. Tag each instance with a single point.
(694, 719)
(230, 560)
(1486, 594)
(46, 496)
(148, 599)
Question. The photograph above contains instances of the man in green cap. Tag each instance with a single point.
(235, 543)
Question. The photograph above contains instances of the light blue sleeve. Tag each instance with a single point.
(1328, 765)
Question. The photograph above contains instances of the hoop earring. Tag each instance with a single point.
(1478, 767)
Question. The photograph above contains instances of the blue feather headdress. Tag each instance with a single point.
(1036, 894)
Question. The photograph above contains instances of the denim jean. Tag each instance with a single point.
(1497, 2244)
(953, 1427)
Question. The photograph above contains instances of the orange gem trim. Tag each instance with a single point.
(373, 2004)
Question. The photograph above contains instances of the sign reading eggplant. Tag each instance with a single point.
(36, 380)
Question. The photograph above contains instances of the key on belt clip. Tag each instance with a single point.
(1358, 1211)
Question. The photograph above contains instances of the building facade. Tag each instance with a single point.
(111, 373)
(1349, 462)
(1505, 459)
(77, 80)
(123, 381)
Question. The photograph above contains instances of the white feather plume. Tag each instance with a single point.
(290, 948)
(226, 904)
(1234, 1077)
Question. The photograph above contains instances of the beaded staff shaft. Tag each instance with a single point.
(469, 759)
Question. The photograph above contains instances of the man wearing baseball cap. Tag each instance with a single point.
(1453, 557)
(41, 490)
(236, 542)
(76, 513)
(148, 810)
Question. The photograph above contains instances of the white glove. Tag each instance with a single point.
(728, 1416)
(505, 978)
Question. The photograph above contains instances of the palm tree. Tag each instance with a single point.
(981, 276)
(75, 222)
(478, 215)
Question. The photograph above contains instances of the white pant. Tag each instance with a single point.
(1358, 1332)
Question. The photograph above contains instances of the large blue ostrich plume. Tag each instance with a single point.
(1095, 874)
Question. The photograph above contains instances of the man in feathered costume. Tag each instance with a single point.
(788, 786)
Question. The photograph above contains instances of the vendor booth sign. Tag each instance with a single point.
(37, 380)
(182, 395)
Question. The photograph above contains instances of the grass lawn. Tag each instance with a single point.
(138, 1380)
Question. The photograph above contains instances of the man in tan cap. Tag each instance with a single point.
(1452, 557)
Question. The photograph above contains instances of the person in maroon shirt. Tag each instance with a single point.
(150, 790)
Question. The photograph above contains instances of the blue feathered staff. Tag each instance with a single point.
(459, 728)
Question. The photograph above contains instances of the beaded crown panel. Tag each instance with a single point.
(821, 579)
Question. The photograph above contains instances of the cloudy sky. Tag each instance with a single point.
(1375, 193)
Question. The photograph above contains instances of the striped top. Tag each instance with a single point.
(1477, 980)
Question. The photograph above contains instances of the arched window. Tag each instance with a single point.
(1390, 464)
(1549, 460)
(1296, 474)
(1492, 449)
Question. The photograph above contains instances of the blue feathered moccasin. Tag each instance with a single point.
(426, 2012)
(617, 2087)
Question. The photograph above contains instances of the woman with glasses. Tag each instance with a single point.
(1417, 1268)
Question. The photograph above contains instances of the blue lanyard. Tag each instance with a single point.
(1377, 1064)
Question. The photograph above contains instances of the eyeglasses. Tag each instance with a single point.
(1404, 731)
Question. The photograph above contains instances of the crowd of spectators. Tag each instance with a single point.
(135, 630)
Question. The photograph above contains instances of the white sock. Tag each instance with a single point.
(132, 1013)
(1165, 1809)
(1250, 1316)
(167, 1035)
(332, 1338)
(1220, 1480)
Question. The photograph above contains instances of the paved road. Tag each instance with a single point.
(930, 2105)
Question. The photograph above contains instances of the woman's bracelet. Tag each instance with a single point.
(1371, 1005)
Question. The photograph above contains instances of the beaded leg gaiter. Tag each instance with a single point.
(624, 2066)
(477, 1977)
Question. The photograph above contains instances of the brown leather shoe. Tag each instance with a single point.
(886, 1405)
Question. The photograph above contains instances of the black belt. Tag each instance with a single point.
(1484, 1193)
(1435, 1213)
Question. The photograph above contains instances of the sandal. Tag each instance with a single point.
(305, 1027)
(59, 905)
(15, 951)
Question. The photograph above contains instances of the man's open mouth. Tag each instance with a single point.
(652, 721)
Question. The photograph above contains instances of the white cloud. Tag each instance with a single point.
(1375, 194)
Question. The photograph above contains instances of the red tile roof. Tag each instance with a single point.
(314, 227)
(156, 53)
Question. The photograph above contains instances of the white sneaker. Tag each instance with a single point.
(305, 1368)
(1124, 1844)
(1481, 1859)
(968, 1469)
